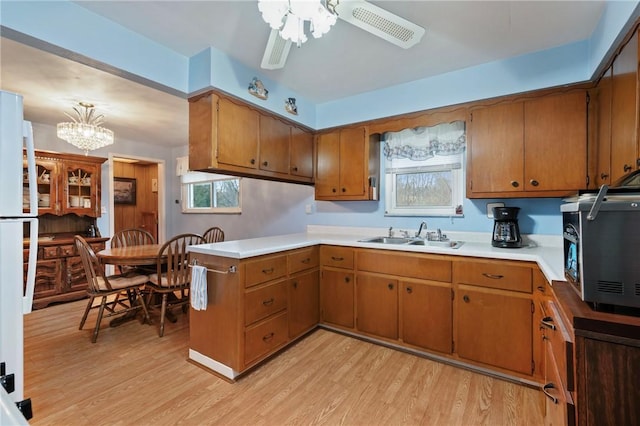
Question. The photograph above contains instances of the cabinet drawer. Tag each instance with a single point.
(67, 250)
(407, 265)
(265, 269)
(559, 341)
(303, 259)
(338, 257)
(493, 275)
(265, 337)
(50, 252)
(559, 407)
(261, 302)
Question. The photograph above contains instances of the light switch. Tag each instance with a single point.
(154, 185)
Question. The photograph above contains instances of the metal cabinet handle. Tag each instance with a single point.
(604, 176)
(466, 299)
(265, 163)
(294, 168)
(493, 276)
(515, 184)
(307, 260)
(541, 289)
(551, 397)
(390, 285)
(548, 322)
(627, 167)
(333, 190)
(534, 182)
(295, 284)
(268, 302)
(268, 271)
(347, 279)
(344, 189)
(409, 290)
(253, 161)
(268, 337)
(337, 259)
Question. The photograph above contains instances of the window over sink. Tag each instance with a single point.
(424, 170)
(210, 193)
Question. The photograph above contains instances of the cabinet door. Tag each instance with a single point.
(494, 328)
(301, 153)
(275, 136)
(427, 316)
(353, 162)
(47, 181)
(238, 132)
(496, 149)
(48, 276)
(377, 305)
(328, 165)
(304, 303)
(337, 297)
(603, 142)
(75, 279)
(555, 141)
(80, 182)
(624, 111)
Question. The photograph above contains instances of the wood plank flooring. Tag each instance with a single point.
(133, 377)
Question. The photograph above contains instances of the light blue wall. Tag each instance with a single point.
(269, 207)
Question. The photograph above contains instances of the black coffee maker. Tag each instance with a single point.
(506, 233)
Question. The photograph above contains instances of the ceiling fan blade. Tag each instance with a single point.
(276, 52)
(380, 22)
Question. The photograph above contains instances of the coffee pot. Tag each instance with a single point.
(506, 233)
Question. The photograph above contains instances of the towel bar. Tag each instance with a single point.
(232, 269)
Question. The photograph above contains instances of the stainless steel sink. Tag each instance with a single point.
(446, 244)
(386, 240)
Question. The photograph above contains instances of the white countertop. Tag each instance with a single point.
(547, 252)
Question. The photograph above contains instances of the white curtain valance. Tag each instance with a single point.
(423, 143)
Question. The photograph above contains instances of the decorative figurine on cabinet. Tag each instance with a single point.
(290, 106)
(257, 89)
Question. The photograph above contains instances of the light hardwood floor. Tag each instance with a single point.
(133, 377)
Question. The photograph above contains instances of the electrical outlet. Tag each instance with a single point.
(490, 207)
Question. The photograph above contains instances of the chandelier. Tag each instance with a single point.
(84, 131)
(289, 16)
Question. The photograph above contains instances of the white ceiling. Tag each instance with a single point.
(344, 62)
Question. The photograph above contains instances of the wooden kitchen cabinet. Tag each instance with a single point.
(494, 314)
(625, 111)
(603, 130)
(531, 148)
(303, 290)
(347, 165)
(377, 305)
(231, 136)
(337, 286)
(426, 315)
(60, 275)
(68, 183)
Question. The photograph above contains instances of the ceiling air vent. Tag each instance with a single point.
(637, 290)
(610, 287)
(378, 21)
(276, 52)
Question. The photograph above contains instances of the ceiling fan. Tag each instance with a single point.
(360, 13)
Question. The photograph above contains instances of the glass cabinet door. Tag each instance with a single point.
(47, 181)
(81, 189)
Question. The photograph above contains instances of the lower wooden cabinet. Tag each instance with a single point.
(377, 305)
(494, 329)
(304, 302)
(426, 315)
(337, 297)
(60, 275)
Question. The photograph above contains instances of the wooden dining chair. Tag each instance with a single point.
(173, 276)
(133, 237)
(109, 289)
(213, 235)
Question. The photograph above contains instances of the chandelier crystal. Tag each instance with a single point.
(85, 131)
(289, 16)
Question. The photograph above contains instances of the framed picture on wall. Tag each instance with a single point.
(124, 190)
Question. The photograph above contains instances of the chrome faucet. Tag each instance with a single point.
(423, 224)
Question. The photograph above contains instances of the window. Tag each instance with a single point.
(424, 171)
(210, 193)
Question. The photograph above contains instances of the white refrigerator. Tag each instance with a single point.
(18, 220)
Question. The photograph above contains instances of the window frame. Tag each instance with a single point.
(190, 179)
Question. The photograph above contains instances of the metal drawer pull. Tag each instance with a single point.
(232, 269)
(268, 302)
(548, 322)
(268, 271)
(268, 337)
(307, 260)
(493, 276)
(337, 259)
(551, 397)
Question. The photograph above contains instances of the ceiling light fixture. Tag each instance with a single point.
(85, 132)
(289, 16)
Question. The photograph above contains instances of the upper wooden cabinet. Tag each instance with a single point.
(68, 183)
(624, 111)
(602, 93)
(531, 148)
(347, 165)
(230, 136)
